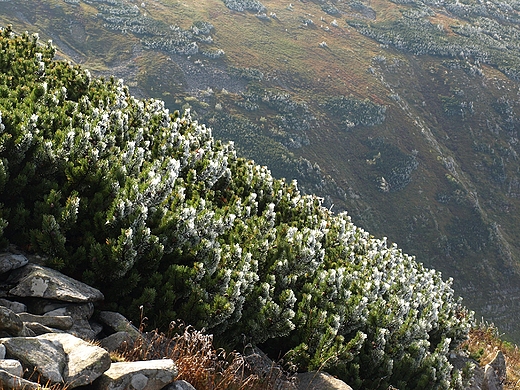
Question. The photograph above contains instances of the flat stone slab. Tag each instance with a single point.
(12, 366)
(118, 323)
(85, 361)
(59, 322)
(10, 261)
(42, 356)
(35, 281)
(142, 375)
(14, 382)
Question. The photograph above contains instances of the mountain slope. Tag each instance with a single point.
(151, 209)
(403, 113)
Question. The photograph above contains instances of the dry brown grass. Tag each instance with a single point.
(483, 343)
(198, 362)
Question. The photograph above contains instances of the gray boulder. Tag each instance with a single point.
(118, 323)
(10, 261)
(317, 380)
(10, 322)
(14, 382)
(499, 365)
(80, 314)
(179, 385)
(41, 282)
(17, 307)
(495, 373)
(491, 381)
(142, 375)
(262, 366)
(461, 361)
(12, 366)
(117, 342)
(42, 356)
(85, 361)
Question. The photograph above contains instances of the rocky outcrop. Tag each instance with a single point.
(47, 325)
(490, 377)
(495, 373)
(35, 281)
(46, 328)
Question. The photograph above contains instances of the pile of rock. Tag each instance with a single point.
(45, 318)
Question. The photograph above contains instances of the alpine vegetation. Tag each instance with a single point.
(356, 112)
(147, 206)
(490, 34)
(245, 5)
(130, 19)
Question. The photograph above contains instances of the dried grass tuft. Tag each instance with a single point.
(198, 362)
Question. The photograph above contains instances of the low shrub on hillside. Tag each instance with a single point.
(356, 112)
(148, 207)
(245, 5)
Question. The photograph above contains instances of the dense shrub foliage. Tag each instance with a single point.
(394, 168)
(245, 5)
(147, 206)
(356, 112)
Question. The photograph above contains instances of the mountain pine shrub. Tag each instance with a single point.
(243, 5)
(147, 206)
(356, 112)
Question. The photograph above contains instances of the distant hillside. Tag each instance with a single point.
(403, 113)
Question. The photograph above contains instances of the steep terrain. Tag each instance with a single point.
(404, 113)
(148, 207)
